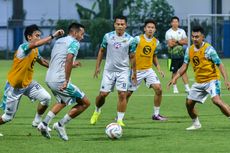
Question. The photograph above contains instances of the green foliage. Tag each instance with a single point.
(159, 10)
(97, 30)
(64, 24)
(203, 23)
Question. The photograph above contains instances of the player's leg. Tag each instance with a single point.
(225, 109)
(190, 105)
(173, 69)
(36, 92)
(107, 85)
(12, 101)
(185, 80)
(129, 94)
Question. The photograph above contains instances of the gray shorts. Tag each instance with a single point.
(200, 91)
(69, 95)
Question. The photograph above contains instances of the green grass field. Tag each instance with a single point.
(141, 135)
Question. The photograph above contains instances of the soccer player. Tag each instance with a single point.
(146, 55)
(176, 38)
(116, 70)
(20, 77)
(206, 66)
(62, 61)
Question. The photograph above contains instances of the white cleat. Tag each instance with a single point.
(61, 131)
(1, 135)
(175, 90)
(44, 130)
(35, 124)
(194, 127)
(187, 90)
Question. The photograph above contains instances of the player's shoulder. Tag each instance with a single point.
(169, 31)
(181, 30)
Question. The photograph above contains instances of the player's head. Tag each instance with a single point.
(197, 35)
(175, 22)
(149, 27)
(120, 24)
(32, 32)
(76, 30)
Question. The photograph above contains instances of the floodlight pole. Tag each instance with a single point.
(111, 9)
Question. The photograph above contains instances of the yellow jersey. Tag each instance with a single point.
(21, 72)
(144, 53)
(205, 69)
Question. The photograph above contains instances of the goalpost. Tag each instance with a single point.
(217, 30)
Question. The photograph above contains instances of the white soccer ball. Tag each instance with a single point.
(113, 131)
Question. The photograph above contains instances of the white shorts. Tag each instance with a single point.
(69, 95)
(200, 91)
(110, 79)
(149, 76)
(13, 95)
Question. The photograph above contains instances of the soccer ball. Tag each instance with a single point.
(113, 131)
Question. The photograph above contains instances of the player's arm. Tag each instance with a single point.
(43, 61)
(171, 43)
(100, 56)
(133, 67)
(211, 54)
(46, 39)
(184, 40)
(156, 62)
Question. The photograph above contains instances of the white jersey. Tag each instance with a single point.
(177, 35)
(62, 47)
(118, 49)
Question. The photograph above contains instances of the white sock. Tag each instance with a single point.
(49, 117)
(187, 86)
(38, 118)
(196, 121)
(97, 109)
(65, 120)
(174, 86)
(156, 110)
(120, 115)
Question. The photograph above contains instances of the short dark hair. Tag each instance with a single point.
(75, 26)
(198, 29)
(30, 30)
(175, 17)
(122, 17)
(150, 21)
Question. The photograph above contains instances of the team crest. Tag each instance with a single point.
(196, 60)
(147, 50)
(117, 45)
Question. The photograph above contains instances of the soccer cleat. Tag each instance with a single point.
(120, 122)
(35, 125)
(175, 90)
(44, 130)
(194, 127)
(94, 117)
(61, 131)
(159, 118)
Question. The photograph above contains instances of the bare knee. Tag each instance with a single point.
(103, 94)
(122, 95)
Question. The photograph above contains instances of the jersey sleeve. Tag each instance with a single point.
(157, 47)
(184, 36)
(212, 55)
(167, 36)
(134, 42)
(186, 56)
(104, 42)
(23, 50)
(74, 47)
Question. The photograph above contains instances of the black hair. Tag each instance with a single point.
(150, 21)
(175, 17)
(75, 26)
(30, 30)
(198, 29)
(122, 17)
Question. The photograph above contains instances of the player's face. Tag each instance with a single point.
(36, 35)
(120, 26)
(150, 29)
(80, 34)
(175, 23)
(197, 38)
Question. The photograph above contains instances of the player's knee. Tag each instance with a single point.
(46, 99)
(7, 118)
(104, 94)
(158, 91)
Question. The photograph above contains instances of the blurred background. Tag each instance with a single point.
(97, 16)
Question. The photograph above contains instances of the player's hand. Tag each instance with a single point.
(96, 73)
(227, 84)
(134, 78)
(59, 33)
(170, 83)
(76, 64)
(162, 73)
(64, 85)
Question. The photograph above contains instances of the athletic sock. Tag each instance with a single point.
(196, 121)
(120, 115)
(156, 110)
(64, 120)
(49, 117)
(37, 118)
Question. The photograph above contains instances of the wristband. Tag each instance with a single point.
(52, 37)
